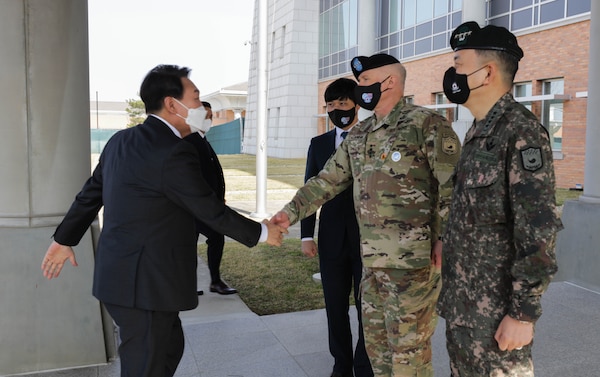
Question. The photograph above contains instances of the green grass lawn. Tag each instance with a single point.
(271, 280)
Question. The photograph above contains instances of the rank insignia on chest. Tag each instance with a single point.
(449, 144)
(532, 159)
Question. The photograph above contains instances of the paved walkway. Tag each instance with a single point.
(225, 339)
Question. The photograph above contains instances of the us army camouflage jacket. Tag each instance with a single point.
(498, 255)
(400, 168)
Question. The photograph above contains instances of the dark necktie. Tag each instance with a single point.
(344, 134)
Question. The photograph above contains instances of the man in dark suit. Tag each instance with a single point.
(213, 174)
(339, 239)
(150, 183)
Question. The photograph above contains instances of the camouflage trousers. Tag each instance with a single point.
(398, 316)
(475, 353)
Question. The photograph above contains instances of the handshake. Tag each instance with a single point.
(277, 226)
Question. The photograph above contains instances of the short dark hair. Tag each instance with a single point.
(508, 63)
(340, 89)
(162, 81)
(206, 104)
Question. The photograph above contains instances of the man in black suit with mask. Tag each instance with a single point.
(339, 239)
(213, 174)
(150, 184)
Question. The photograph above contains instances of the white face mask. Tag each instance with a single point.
(196, 119)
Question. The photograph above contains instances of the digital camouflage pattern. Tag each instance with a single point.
(498, 255)
(409, 298)
(400, 168)
(482, 357)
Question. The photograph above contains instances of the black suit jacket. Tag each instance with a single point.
(211, 167)
(337, 219)
(152, 188)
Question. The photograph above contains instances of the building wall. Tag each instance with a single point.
(560, 52)
(292, 76)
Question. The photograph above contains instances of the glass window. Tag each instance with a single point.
(338, 35)
(520, 14)
(447, 112)
(439, 25)
(551, 11)
(423, 46)
(394, 16)
(440, 8)
(518, 4)
(410, 13)
(456, 5)
(423, 30)
(384, 17)
(522, 19)
(501, 21)
(578, 7)
(499, 7)
(424, 11)
(552, 112)
(522, 90)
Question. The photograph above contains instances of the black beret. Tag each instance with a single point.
(360, 64)
(470, 36)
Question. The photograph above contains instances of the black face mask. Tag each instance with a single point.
(456, 87)
(368, 97)
(342, 118)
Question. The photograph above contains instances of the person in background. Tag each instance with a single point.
(338, 238)
(213, 174)
(498, 255)
(150, 184)
(398, 162)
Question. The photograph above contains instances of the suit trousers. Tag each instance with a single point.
(152, 342)
(339, 276)
(214, 252)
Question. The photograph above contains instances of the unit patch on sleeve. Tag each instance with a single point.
(449, 144)
(532, 159)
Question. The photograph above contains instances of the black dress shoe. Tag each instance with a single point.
(338, 374)
(221, 288)
(200, 292)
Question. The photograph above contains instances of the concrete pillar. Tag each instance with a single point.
(577, 246)
(44, 160)
(474, 10)
(367, 33)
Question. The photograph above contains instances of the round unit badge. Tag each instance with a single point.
(396, 156)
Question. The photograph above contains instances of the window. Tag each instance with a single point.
(450, 112)
(552, 112)
(409, 27)
(338, 22)
(521, 14)
(522, 90)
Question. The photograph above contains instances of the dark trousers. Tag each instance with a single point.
(215, 242)
(339, 276)
(151, 342)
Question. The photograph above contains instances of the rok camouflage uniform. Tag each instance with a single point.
(498, 255)
(400, 168)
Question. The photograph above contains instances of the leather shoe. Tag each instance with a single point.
(338, 374)
(221, 288)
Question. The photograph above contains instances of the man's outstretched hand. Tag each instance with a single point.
(55, 259)
(276, 233)
(281, 218)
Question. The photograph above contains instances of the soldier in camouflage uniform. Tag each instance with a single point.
(399, 162)
(498, 255)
